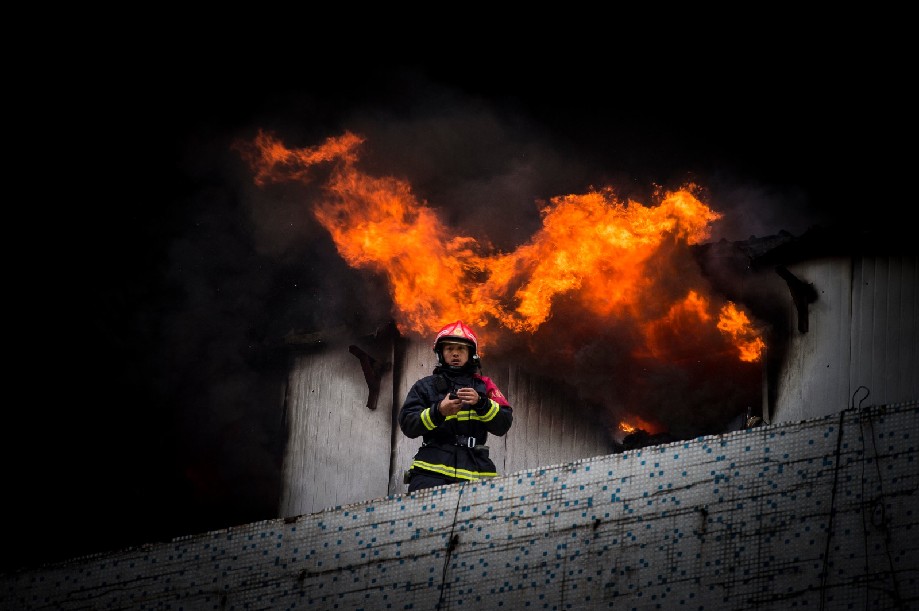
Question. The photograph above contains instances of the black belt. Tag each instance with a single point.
(459, 440)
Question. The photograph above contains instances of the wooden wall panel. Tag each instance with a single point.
(907, 357)
(550, 425)
(869, 317)
(832, 323)
(864, 331)
(338, 449)
(789, 405)
(885, 329)
(415, 360)
(814, 377)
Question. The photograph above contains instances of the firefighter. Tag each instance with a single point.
(453, 410)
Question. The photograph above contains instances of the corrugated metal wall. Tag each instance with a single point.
(863, 332)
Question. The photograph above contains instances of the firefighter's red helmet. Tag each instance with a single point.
(460, 333)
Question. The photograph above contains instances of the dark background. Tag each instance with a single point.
(155, 278)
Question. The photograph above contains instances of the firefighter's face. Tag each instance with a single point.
(455, 355)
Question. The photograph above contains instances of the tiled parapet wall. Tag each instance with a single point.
(819, 514)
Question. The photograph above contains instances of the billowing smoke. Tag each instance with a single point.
(439, 190)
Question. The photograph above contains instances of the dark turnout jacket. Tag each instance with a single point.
(454, 446)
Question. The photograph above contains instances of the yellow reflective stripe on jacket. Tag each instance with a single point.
(426, 419)
(468, 414)
(452, 471)
(492, 412)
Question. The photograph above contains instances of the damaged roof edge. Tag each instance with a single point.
(841, 240)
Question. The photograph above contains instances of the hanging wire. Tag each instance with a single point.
(829, 535)
(881, 521)
(451, 545)
(864, 505)
(867, 392)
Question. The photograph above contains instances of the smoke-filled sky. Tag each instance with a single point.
(174, 274)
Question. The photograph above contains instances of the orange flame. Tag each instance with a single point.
(272, 161)
(635, 423)
(606, 256)
(596, 248)
(682, 319)
(735, 324)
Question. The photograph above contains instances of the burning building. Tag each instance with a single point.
(606, 320)
(690, 420)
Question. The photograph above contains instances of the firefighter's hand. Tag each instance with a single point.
(469, 396)
(449, 407)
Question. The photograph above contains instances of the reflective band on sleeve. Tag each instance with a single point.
(491, 413)
(468, 414)
(426, 419)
